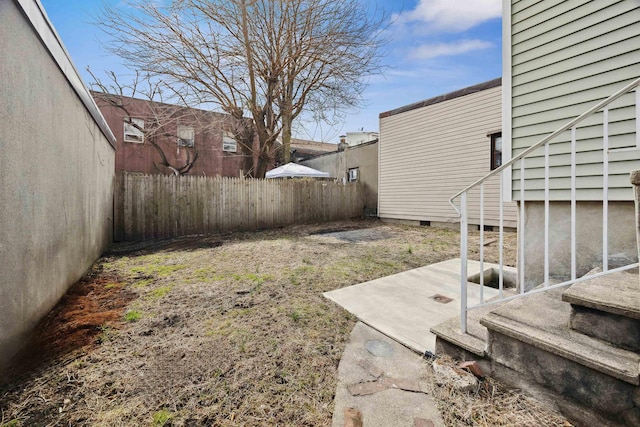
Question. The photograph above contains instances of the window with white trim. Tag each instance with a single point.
(496, 150)
(353, 174)
(186, 136)
(229, 142)
(133, 130)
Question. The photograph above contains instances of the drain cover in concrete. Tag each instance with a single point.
(359, 236)
(441, 299)
(379, 348)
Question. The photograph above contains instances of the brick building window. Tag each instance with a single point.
(229, 142)
(133, 130)
(186, 136)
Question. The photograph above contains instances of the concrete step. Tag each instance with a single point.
(530, 336)
(607, 308)
(471, 345)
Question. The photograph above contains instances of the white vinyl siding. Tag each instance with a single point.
(566, 56)
(430, 153)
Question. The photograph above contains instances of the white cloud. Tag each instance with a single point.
(452, 15)
(460, 47)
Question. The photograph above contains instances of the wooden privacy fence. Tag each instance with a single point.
(160, 206)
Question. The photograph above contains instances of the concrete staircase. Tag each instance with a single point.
(575, 349)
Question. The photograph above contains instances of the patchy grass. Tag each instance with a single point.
(107, 333)
(235, 330)
(112, 285)
(157, 270)
(160, 292)
(161, 418)
(132, 316)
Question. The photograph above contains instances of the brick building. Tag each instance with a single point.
(159, 138)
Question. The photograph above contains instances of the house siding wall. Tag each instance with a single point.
(364, 157)
(566, 57)
(56, 176)
(428, 154)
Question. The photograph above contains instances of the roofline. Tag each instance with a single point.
(446, 97)
(364, 144)
(44, 29)
(97, 93)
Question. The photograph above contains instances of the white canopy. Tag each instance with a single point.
(294, 170)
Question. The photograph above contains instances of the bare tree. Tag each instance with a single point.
(332, 47)
(271, 59)
(164, 114)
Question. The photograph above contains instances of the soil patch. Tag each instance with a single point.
(90, 308)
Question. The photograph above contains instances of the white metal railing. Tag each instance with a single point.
(463, 210)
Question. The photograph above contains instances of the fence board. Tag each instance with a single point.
(159, 206)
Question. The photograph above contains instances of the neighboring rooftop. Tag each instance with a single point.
(306, 144)
(446, 97)
(360, 137)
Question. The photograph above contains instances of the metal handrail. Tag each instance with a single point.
(548, 138)
(463, 211)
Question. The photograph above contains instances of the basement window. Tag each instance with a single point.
(229, 143)
(186, 136)
(133, 130)
(496, 150)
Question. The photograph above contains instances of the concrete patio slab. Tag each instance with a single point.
(406, 305)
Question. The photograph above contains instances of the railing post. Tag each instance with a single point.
(573, 203)
(481, 243)
(605, 189)
(463, 262)
(501, 238)
(521, 227)
(638, 116)
(546, 215)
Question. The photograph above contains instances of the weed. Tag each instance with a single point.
(295, 281)
(132, 316)
(207, 275)
(12, 423)
(296, 315)
(161, 418)
(77, 364)
(158, 270)
(142, 283)
(160, 292)
(112, 285)
(106, 334)
(258, 279)
(409, 250)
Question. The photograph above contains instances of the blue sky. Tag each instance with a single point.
(436, 46)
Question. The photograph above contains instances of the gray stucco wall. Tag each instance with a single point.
(56, 177)
(621, 230)
(363, 156)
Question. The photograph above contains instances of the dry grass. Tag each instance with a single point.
(490, 404)
(225, 330)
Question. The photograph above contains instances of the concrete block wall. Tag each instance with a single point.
(622, 238)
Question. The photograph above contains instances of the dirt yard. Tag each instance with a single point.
(225, 330)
